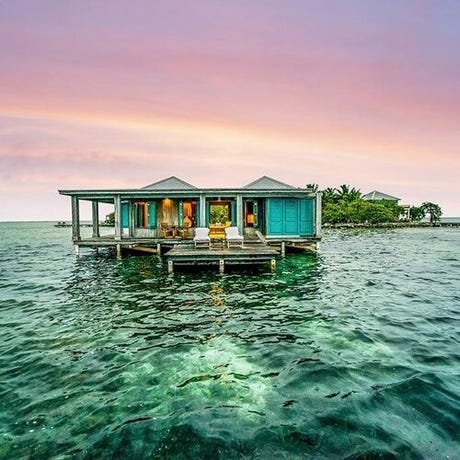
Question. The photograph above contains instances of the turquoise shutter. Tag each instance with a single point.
(197, 215)
(208, 210)
(124, 215)
(306, 217)
(233, 213)
(180, 213)
(291, 217)
(256, 214)
(275, 216)
(152, 214)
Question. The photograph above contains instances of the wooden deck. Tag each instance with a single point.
(181, 251)
(221, 256)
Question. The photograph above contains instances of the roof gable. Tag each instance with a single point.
(376, 196)
(267, 183)
(170, 183)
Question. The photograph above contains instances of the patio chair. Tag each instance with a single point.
(202, 236)
(166, 230)
(232, 236)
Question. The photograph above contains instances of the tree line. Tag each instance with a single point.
(345, 204)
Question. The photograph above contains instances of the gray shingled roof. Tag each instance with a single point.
(377, 196)
(170, 183)
(267, 183)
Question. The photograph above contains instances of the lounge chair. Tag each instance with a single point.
(232, 236)
(202, 236)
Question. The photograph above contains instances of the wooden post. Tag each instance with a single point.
(159, 249)
(118, 251)
(75, 218)
(318, 215)
(202, 210)
(131, 218)
(239, 213)
(283, 248)
(221, 265)
(117, 212)
(77, 249)
(273, 264)
(170, 266)
(95, 215)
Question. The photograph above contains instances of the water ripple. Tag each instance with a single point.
(349, 354)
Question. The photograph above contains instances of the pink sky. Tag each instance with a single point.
(98, 94)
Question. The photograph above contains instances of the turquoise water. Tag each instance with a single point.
(351, 354)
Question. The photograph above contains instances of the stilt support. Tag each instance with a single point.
(273, 264)
(283, 248)
(77, 249)
(118, 251)
(170, 266)
(159, 249)
(221, 266)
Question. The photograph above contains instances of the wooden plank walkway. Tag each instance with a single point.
(221, 256)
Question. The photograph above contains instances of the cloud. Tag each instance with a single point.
(221, 93)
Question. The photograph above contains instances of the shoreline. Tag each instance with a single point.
(390, 225)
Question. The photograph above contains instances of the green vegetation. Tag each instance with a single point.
(346, 205)
(218, 214)
(110, 219)
(433, 210)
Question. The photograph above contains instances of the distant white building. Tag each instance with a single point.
(379, 196)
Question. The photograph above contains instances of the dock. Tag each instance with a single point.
(256, 254)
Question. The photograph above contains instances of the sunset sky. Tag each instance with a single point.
(119, 94)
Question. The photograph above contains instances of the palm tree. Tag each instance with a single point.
(343, 191)
(433, 209)
(348, 194)
(312, 187)
(330, 195)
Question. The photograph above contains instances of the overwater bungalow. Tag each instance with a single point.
(165, 215)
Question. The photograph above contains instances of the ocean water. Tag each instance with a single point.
(353, 353)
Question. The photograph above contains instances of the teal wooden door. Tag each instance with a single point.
(283, 217)
(307, 217)
(124, 215)
(275, 216)
(291, 217)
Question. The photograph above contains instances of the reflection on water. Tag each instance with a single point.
(349, 354)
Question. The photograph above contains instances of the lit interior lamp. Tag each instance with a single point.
(250, 219)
